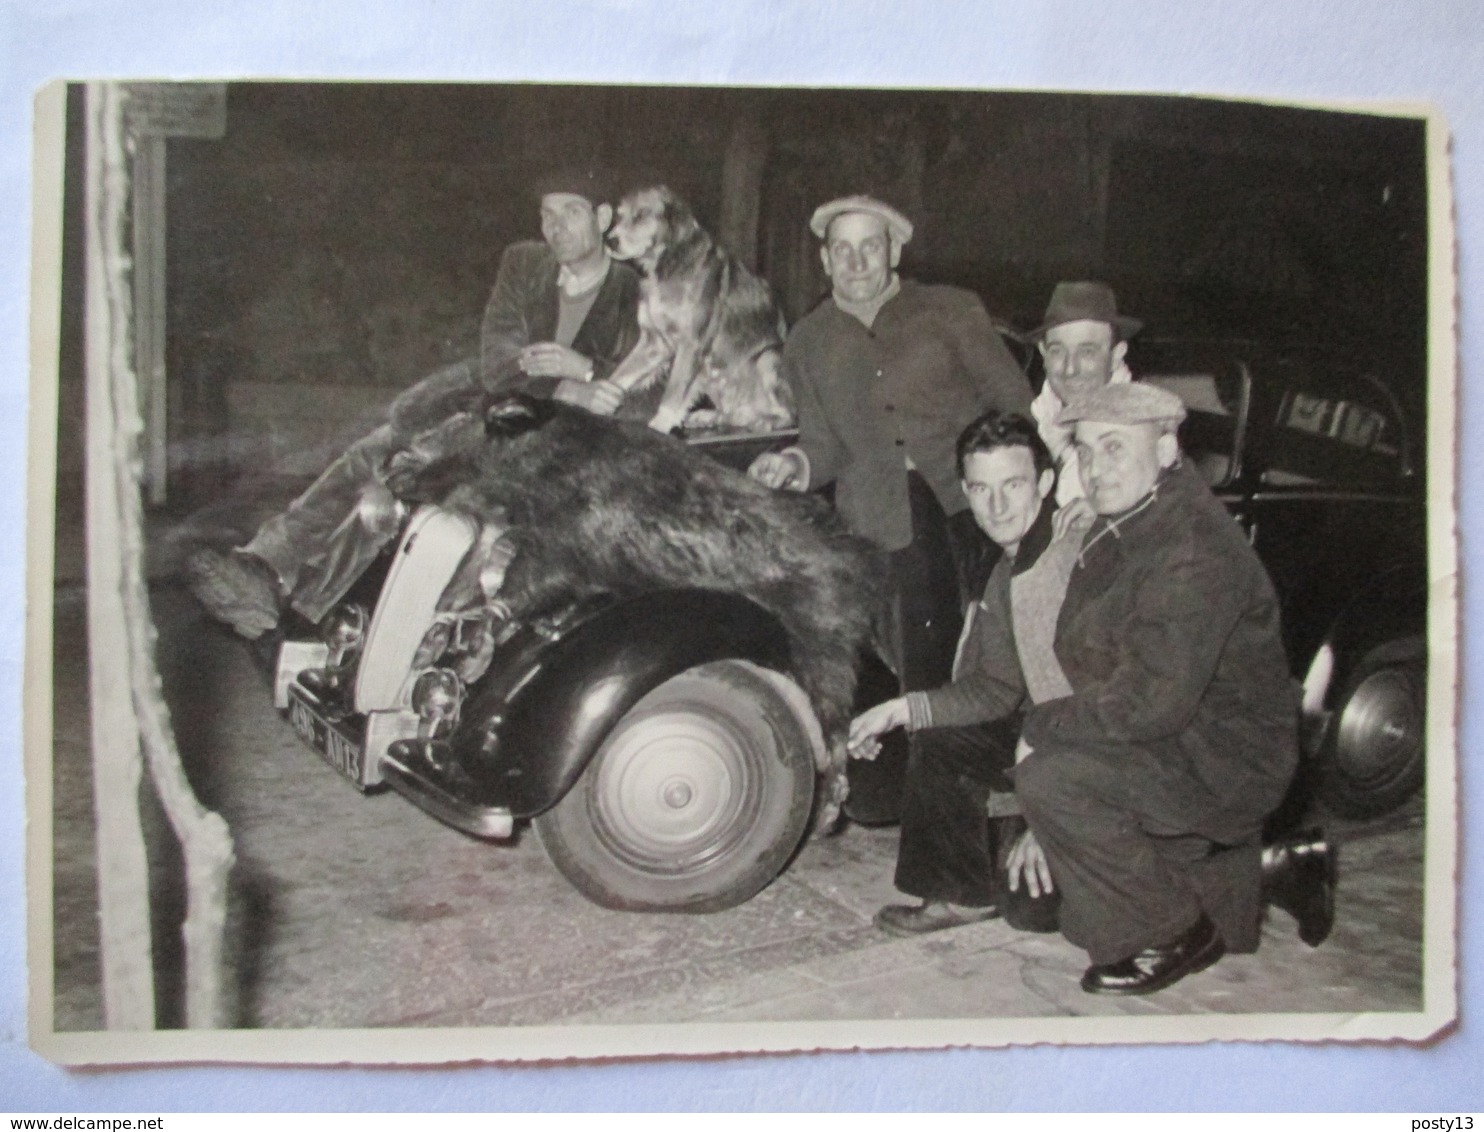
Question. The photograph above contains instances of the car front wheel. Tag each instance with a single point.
(694, 802)
(1374, 757)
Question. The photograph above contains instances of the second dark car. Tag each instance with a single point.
(1317, 459)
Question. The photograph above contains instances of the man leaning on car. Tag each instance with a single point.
(560, 318)
(887, 371)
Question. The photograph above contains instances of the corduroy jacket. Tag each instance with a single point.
(523, 308)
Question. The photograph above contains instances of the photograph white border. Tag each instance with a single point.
(1296, 49)
(559, 1042)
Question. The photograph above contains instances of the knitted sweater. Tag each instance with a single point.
(1005, 653)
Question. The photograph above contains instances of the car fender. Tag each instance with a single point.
(1392, 609)
(524, 749)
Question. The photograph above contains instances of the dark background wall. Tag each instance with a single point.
(340, 240)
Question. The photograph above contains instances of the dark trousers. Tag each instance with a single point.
(949, 850)
(946, 563)
(1130, 879)
(327, 537)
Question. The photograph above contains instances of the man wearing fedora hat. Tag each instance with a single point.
(1147, 786)
(1082, 341)
(560, 318)
(886, 373)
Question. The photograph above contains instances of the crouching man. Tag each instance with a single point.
(965, 732)
(1146, 787)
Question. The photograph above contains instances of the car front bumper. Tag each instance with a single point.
(412, 775)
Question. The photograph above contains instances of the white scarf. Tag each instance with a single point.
(1058, 438)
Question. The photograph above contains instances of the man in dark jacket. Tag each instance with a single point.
(886, 373)
(561, 317)
(1147, 786)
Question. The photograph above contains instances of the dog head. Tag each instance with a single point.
(647, 223)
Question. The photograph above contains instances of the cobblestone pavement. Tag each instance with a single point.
(352, 911)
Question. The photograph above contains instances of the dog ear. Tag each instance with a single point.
(515, 415)
(678, 215)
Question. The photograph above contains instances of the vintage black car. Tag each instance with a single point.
(676, 768)
(658, 743)
(1317, 459)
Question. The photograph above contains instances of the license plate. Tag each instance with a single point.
(334, 747)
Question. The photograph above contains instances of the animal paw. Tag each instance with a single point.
(703, 419)
(836, 789)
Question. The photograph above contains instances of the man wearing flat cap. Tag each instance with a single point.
(561, 316)
(886, 373)
(1147, 786)
(1082, 341)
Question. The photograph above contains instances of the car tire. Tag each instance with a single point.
(1374, 755)
(695, 801)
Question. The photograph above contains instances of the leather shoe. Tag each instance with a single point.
(1155, 968)
(1298, 875)
(239, 589)
(929, 916)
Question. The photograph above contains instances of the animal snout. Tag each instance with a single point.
(511, 416)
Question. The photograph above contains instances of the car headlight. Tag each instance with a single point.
(343, 631)
(379, 511)
(433, 645)
(437, 696)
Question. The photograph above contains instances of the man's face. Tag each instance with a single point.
(572, 227)
(1080, 357)
(1120, 462)
(859, 255)
(1005, 493)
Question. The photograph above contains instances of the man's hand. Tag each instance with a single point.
(864, 728)
(779, 470)
(1027, 861)
(547, 359)
(1075, 515)
(601, 397)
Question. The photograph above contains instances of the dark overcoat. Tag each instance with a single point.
(1169, 635)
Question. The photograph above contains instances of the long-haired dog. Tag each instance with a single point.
(590, 504)
(708, 326)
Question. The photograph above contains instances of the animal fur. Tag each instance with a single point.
(598, 505)
(707, 326)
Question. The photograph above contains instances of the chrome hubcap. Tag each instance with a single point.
(1380, 725)
(674, 790)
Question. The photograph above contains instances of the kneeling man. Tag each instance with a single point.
(967, 729)
(1147, 786)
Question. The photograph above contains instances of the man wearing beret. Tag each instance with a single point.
(886, 373)
(1147, 786)
(561, 317)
